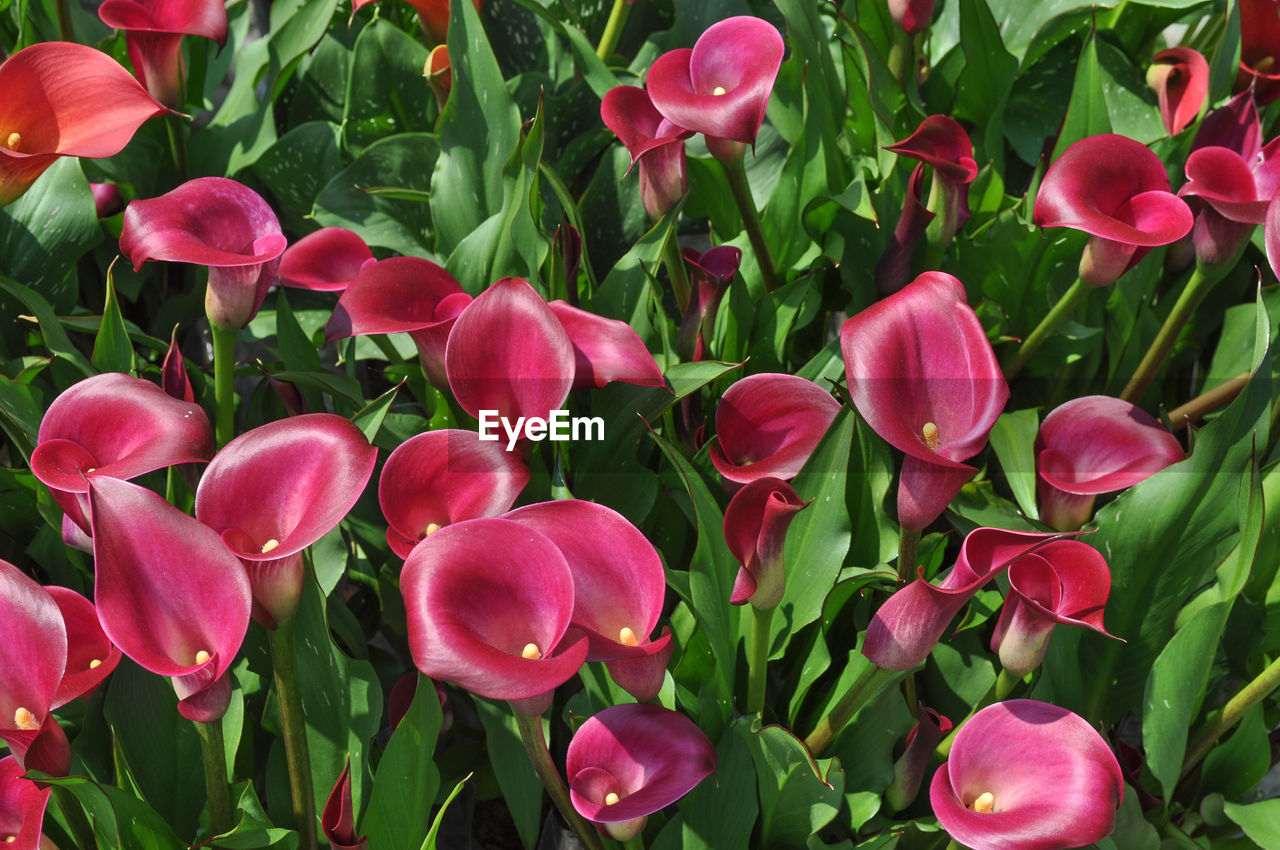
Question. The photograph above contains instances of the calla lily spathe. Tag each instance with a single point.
(1180, 77)
(656, 145)
(768, 424)
(22, 805)
(755, 527)
(324, 261)
(153, 33)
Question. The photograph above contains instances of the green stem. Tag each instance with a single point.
(908, 546)
(999, 690)
(177, 145)
(737, 174)
(674, 261)
(1056, 316)
(902, 58)
(612, 29)
(1198, 286)
(954, 845)
(635, 843)
(758, 658)
(215, 776)
(1250, 695)
(284, 660)
(224, 374)
(536, 746)
(1115, 15)
(858, 695)
(66, 31)
(73, 814)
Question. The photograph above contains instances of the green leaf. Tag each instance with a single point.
(55, 338)
(386, 92)
(20, 415)
(798, 796)
(399, 812)
(520, 785)
(983, 87)
(1260, 821)
(372, 415)
(112, 350)
(297, 168)
(254, 831)
(1013, 438)
(429, 843)
(1131, 104)
(720, 813)
(120, 821)
(1087, 113)
(1237, 765)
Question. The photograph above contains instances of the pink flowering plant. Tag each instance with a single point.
(843, 424)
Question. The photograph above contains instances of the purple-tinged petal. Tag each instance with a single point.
(893, 270)
(22, 805)
(324, 261)
(912, 15)
(33, 655)
(709, 277)
(1180, 77)
(910, 768)
(1026, 775)
(174, 379)
(106, 199)
(606, 350)
(1220, 178)
(153, 33)
(755, 527)
(646, 755)
(941, 142)
(925, 489)
(91, 656)
(631, 115)
(488, 603)
(1271, 235)
(1235, 126)
(1259, 49)
(721, 86)
(508, 352)
(441, 477)
(338, 821)
(767, 425)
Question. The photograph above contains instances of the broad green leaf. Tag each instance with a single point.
(405, 785)
(120, 821)
(989, 70)
(516, 777)
(20, 415)
(297, 168)
(254, 830)
(1260, 821)
(1013, 438)
(1131, 104)
(112, 350)
(798, 796)
(1087, 113)
(55, 338)
(386, 92)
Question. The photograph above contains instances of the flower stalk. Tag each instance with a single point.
(536, 746)
(674, 262)
(758, 658)
(1065, 307)
(284, 661)
(215, 777)
(1250, 695)
(224, 373)
(866, 687)
(613, 29)
(736, 171)
(1198, 286)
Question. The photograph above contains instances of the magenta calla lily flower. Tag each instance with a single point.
(91, 656)
(338, 820)
(1234, 194)
(1062, 582)
(629, 761)
(489, 602)
(656, 145)
(1028, 775)
(402, 295)
(213, 222)
(721, 86)
(22, 805)
(1116, 190)
(33, 658)
(508, 352)
(1234, 125)
(605, 350)
(910, 768)
(1095, 445)
(941, 143)
(169, 593)
(324, 261)
(710, 274)
(1180, 77)
(107, 200)
(153, 33)
(893, 270)
(755, 527)
(174, 379)
(64, 99)
(907, 626)
(275, 490)
(618, 588)
(441, 477)
(912, 15)
(1259, 49)
(115, 426)
(922, 374)
(767, 425)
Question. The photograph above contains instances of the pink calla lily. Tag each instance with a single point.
(656, 145)
(91, 656)
(605, 350)
(32, 664)
(153, 33)
(1116, 190)
(721, 86)
(324, 261)
(768, 424)
(942, 144)
(912, 15)
(629, 761)
(338, 820)
(893, 270)
(1063, 582)
(755, 527)
(438, 478)
(911, 767)
(1180, 77)
(402, 295)
(907, 626)
(63, 99)
(1259, 49)
(275, 490)
(1095, 445)
(508, 352)
(1233, 196)
(618, 586)
(1234, 125)
(174, 379)
(922, 374)
(213, 222)
(115, 426)
(169, 593)
(710, 274)
(22, 805)
(1028, 775)
(489, 602)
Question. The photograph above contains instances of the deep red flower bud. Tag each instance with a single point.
(489, 603)
(402, 295)
(893, 270)
(768, 424)
(213, 222)
(1094, 445)
(63, 99)
(710, 274)
(153, 33)
(912, 15)
(275, 490)
(907, 626)
(910, 768)
(755, 527)
(438, 478)
(22, 805)
(169, 593)
(115, 426)
(1030, 775)
(106, 199)
(174, 379)
(1259, 49)
(1117, 190)
(656, 145)
(439, 73)
(1180, 76)
(923, 375)
(628, 761)
(338, 820)
(721, 86)
(326, 261)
